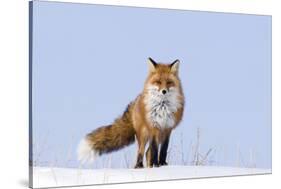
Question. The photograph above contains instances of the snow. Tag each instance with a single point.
(54, 177)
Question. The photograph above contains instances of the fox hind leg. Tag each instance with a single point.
(149, 162)
(141, 144)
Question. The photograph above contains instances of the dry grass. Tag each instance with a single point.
(178, 154)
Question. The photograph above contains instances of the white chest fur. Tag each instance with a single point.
(161, 108)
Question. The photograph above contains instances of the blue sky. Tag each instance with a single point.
(89, 62)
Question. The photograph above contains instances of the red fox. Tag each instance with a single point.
(150, 118)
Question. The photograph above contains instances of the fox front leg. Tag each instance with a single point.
(163, 151)
(152, 154)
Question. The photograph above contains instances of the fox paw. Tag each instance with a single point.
(138, 166)
(163, 163)
(156, 165)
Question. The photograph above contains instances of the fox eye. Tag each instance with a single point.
(158, 82)
(170, 82)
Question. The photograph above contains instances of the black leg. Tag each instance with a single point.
(163, 151)
(154, 153)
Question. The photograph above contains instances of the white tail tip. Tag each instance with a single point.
(85, 152)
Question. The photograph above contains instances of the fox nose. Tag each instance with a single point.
(164, 91)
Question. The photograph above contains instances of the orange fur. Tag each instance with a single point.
(135, 121)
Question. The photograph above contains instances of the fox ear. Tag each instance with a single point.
(175, 66)
(152, 64)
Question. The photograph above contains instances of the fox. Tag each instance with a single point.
(149, 119)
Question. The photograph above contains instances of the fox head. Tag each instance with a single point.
(163, 77)
(163, 95)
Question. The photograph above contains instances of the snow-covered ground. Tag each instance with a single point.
(52, 177)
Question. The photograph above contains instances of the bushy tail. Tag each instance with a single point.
(108, 138)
